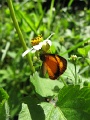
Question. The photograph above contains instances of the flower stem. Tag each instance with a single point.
(21, 38)
(63, 82)
(75, 73)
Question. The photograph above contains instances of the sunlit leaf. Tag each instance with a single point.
(44, 86)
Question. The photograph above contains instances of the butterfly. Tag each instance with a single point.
(36, 40)
(54, 64)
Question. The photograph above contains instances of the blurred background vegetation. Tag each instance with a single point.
(68, 19)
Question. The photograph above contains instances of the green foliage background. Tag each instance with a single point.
(24, 95)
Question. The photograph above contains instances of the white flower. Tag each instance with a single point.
(41, 45)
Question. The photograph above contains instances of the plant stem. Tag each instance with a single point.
(51, 13)
(7, 110)
(64, 82)
(75, 73)
(21, 38)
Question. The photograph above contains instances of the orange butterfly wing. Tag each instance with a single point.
(62, 63)
(54, 64)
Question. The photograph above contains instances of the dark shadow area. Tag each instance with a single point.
(35, 110)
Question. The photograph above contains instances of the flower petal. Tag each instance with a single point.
(47, 42)
(50, 36)
(37, 47)
(26, 52)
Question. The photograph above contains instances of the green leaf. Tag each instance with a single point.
(45, 87)
(52, 112)
(84, 51)
(14, 101)
(28, 21)
(34, 110)
(70, 72)
(3, 96)
(70, 3)
(81, 51)
(75, 102)
(31, 110)
(4, 112)
(76, 46)
(24, 113)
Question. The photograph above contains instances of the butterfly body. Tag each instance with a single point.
(54, 64)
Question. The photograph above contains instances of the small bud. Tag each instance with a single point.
(85, 83)
(73, 57)
(35, 58)
(46, 46)
(61, 39)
